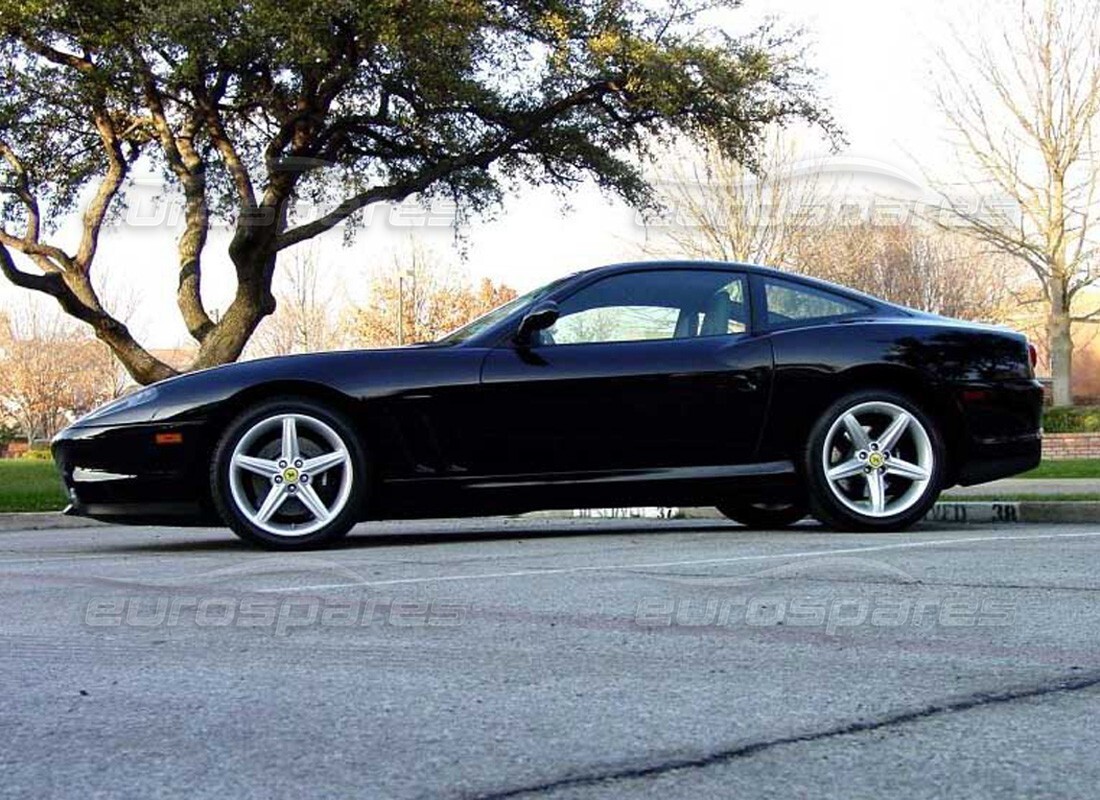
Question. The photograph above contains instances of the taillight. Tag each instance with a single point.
(1032, 356)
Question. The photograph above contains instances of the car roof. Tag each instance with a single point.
(569, 283)
(645, 266)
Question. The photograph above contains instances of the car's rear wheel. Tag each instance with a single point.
(289, 474)
(764, 515)
(874, 462)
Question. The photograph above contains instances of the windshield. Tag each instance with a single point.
(485, 321)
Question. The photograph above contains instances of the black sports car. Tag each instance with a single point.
(765, 394)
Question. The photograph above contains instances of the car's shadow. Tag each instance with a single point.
(366, 540)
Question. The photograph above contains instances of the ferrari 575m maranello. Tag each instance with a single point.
(768, 395)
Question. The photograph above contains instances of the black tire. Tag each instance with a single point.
(832, 511)
(764, 515)
(352, 498)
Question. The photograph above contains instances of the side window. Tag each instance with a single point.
(652, 305)
(616, 324)
(792, 302)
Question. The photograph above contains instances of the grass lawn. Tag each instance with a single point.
(30, 485)
(1070, 468)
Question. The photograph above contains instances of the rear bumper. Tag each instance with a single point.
(1003, 430)
(121, 474)
(1003, 458)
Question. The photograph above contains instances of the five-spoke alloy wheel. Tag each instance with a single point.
(874, 461)
(289, 474)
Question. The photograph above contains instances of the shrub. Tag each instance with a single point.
(1072, 419)
(37, 454)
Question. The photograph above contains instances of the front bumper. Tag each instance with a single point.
(121, 473)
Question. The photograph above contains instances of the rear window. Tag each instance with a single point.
(788, 303)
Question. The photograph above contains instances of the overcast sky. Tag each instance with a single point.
(874, 56)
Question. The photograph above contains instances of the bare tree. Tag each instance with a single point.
(1088, 383)
(720, 208)
(418, 298)
(53, 371)
(783, 215)
(307, 313)
(1024, 106)
(913, 264)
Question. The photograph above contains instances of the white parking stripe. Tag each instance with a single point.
(535, 573)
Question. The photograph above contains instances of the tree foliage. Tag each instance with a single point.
(249, 108)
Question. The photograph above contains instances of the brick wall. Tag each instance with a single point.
(13, 449)
(1058, 446)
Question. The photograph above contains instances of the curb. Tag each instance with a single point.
(1026, 511)
(953, 511)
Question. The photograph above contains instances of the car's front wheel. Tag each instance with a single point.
(874, 462)
(289, 474)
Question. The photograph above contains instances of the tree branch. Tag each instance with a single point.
(138, 361)
(100, 204)
(59, 57)
(236, 167)
(189, 168)
(24, 280)
(520, 131)
(48, 259)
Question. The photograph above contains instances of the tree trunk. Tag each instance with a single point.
(227, 339)
(1060, 343)
(191, 244)
(79, 299)
(254, 257)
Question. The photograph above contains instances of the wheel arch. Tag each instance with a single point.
(228, 410)
(923, 391)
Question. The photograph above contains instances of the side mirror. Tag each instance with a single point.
(539, 318)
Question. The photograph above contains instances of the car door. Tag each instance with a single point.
(643, 370)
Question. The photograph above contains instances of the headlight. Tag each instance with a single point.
(138, 398)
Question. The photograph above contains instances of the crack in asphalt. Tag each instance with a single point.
(967, 703)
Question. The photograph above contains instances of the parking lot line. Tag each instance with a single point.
(535, 573)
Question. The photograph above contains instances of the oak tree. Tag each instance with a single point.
(250, 107)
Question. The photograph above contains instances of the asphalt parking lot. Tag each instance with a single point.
(551, 658)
